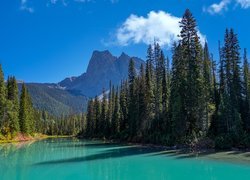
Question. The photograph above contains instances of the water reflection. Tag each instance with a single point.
(68, 158)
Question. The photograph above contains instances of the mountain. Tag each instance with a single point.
(71, 95)
(103, 67)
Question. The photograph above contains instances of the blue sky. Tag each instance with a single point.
(48, 40)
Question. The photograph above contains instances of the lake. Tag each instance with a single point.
(74, 159)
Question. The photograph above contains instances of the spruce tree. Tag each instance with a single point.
(124, 107)
(191, 55)
(89, 119)
(229, 110)
(132, 98)
(150, 94)
(178, 124)
(2, 98)
(12, 96)
(103, 118)
(246, 93)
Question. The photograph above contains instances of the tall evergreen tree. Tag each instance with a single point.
(90, 115)
(12, 96)
(177, 95)
(2, 98)
(124, 107)
(26, 113)
(192, 52)
(229, 110)
(132, 98)
(246, 93)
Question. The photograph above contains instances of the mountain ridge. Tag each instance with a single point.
(103, 67)
(72, 93)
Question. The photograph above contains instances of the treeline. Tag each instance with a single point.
(195, 99)
(17, 114)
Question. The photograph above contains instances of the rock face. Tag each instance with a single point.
(103, 67)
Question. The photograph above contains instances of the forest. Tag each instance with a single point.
(18, 116)
(196, 102)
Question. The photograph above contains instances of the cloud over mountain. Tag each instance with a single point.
(160, 26)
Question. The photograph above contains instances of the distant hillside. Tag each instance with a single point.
(52, 98)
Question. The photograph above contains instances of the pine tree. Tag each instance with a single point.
(141, 101)
(2, 98)
(192, 57)
(89, 119)
(132, 99)
(103, 118)
(246, 93)
(12, 96)
(124, 107)
(230, 101)
(178, 124)
(26, 112)
(116, 116)
(207, 87)
(150, 94)
(97, 116)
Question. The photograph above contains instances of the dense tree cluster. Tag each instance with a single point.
(17, 115)
(192, 100)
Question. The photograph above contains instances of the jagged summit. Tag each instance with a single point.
(103, 67)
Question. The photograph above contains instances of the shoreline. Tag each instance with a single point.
(25, 138)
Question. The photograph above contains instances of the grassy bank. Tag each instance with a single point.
(22, 137)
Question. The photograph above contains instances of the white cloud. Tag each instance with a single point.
(24, 6)
(161, 26)
(217, 8)
(244, 3)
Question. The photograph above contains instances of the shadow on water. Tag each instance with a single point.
(106, 154)
(111, 150)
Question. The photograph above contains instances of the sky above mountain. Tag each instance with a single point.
(48, 40)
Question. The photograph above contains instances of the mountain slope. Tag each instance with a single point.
(56, 101)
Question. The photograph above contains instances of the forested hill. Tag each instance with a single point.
(55, 100)
(71, 95)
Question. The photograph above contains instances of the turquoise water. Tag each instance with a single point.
(73, 159)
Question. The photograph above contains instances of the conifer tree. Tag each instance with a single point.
(178, 125)
(246, 92)
(12, 96)
(150, 95)
(97, 116)
(141, 101)
(192, 52)
(89, 119)
(26, 112)
(2, 98)
(124, 106)
(103, 118)
(116, 117)
(132, 98)
(229, 109)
